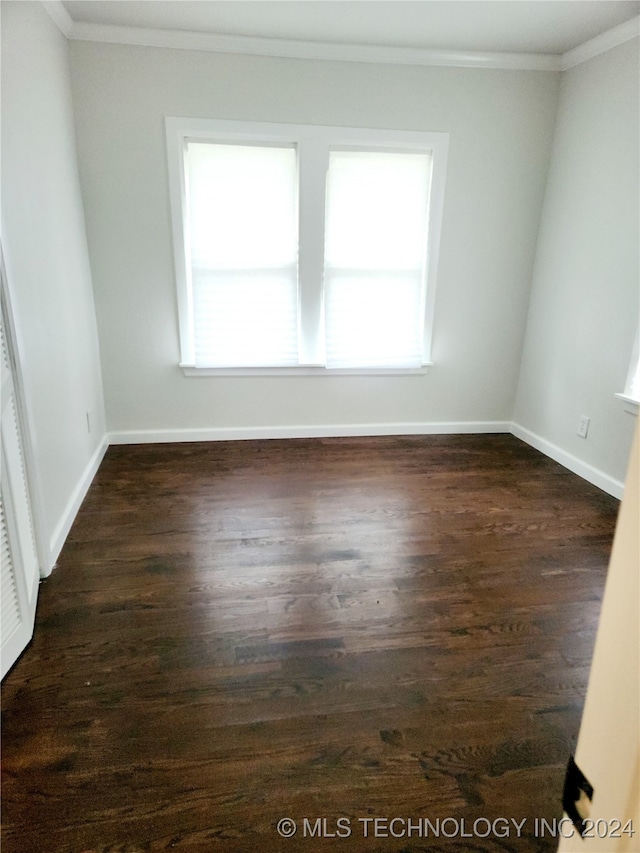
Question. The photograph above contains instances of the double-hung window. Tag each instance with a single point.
(304, 248)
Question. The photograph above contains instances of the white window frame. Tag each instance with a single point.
(313, 144)
(630, 396)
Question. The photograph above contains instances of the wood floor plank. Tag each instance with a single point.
(331, 629)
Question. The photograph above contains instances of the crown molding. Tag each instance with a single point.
(60, 17)
(600, 44)
(290, 49)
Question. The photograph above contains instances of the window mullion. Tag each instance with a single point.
(312, 170)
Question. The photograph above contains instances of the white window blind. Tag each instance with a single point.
(242, 226)
(375, 254)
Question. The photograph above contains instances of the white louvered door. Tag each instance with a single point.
(19, 567)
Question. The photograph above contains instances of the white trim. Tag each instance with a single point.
(59, 15)
(175, 142)
(151, 436)
(630, 394)
(630, 405)
(304, 370)
(600, 44)
(577, 466)
(293, 49)
(582, 469)
(63, 526)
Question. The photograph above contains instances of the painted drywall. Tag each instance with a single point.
(608, 751)
(583, 313)
(500, 125)
(48, 270)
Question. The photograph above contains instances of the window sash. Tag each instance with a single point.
(373, 318)
(242, 206)
(375, 255)
(245, 318)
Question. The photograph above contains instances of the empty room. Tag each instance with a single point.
(283, 569)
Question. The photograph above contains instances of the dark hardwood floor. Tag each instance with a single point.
(344, 629)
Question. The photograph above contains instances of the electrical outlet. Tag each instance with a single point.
(583, 426)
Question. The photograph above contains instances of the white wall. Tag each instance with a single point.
(584, 301)
(49, 277)
(501, 125)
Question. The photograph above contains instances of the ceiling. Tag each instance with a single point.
(521, 26)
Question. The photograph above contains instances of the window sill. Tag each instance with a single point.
(304, 370)
(630, 405)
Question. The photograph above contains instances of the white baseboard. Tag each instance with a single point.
(63, 526)
(577, 466)
(593, 475)
(321, 431)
